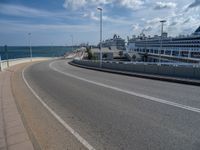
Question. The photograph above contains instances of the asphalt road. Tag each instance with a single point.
(119, 112)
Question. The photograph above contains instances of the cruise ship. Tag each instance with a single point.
(114, 43)
(181, 47)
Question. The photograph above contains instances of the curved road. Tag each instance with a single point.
(119, 112)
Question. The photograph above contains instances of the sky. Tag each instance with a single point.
(55, 22)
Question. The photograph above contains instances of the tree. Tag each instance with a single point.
(134, 57)
(89, 52)
(120, 53)
(105, 55)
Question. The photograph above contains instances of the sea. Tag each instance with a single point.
(13, 52)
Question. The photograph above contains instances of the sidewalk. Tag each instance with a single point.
(13, 135)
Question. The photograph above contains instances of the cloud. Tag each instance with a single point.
(18, 10)
(194, 4)
(173, 23)
(164, 5)
(24, 11)
(20, 26)
(74, 4)
(133, 4)
(91, 15)
(147, 29)
(79, 4)
(118, 21)
(182, 23)
(135, 27)
(118, 17)
(153, 21)
(186, 21)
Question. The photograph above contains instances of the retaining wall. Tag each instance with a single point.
(190, 72)
(11, 62)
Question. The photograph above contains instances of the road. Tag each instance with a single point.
(114, 112)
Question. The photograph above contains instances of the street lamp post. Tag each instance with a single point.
(30, 48)
(6, 52)
(100, 44)
(161, 38)
(72, 37)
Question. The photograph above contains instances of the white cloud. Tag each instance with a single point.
(18, 10)
(153, 21)
(19, 26)
(133, 4)
(74, 4)
(84, 17)
(194, 4)
(118, 21)
(183, 24)
(91, 15)
(77, 4)
(147, 29)
(24, 11)
(164, 5)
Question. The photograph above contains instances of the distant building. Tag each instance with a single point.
(84, 44)
(107, 54)
(115, 43)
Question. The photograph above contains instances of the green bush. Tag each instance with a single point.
(89, 52)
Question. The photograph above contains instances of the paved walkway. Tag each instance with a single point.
(13, 135)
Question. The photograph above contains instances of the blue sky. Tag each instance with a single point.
(52, 22)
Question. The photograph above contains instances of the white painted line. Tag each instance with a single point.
(71, 130)
(146, 97)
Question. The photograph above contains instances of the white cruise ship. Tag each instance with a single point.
(185, 47)
(116, 42)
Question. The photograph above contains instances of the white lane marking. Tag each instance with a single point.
(193, 109)
(70, 129)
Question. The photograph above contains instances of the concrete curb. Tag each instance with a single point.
(28, 129)
(15, 135)
(146, 76)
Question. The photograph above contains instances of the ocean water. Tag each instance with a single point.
(14, 52)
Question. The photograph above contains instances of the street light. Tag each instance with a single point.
(6, 52)
(30, 48)
(161, 42)
(100, 44)
(72, 37)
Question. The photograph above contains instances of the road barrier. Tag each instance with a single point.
(11, 62)
(175, 70)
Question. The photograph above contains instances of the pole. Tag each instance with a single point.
(161, 38)
(72, 42)
(6, 52)
(0, 64)
(30, 48)
(100, 44)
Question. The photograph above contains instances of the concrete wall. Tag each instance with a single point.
(11, 62)
(153, 69)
